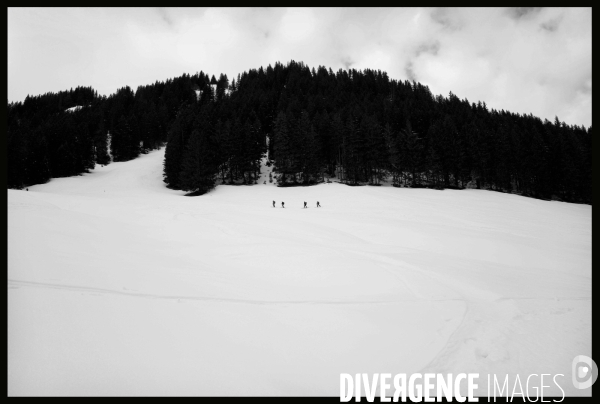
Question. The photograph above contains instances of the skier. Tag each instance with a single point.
(304, 204)
(282, 205)
(318, 206)
(273, 203)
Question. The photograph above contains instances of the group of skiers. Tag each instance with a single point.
(283, 204)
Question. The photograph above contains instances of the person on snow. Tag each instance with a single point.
(273, 203)
(304, 204)
(282, 203)
(318, 206)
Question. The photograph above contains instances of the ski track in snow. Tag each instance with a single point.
(379, 279)
(14, 284)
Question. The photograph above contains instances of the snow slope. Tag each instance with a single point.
(120, 286)
(73, 109)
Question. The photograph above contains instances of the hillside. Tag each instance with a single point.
(118, 285)
(359, 125)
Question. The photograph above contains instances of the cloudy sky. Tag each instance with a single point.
(525, 60)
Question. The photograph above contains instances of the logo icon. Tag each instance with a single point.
(584, 372)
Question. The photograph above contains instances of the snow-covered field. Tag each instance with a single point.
(120, 286)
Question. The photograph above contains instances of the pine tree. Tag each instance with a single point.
(309, 165)
(282, 153)
(395, 161)
(175, 149)
(16, 156)
(198, 171)
(411, 146)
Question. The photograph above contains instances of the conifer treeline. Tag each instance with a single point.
(67, 133)
(357, 125)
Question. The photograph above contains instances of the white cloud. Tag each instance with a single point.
(297, 24)
(525, 60)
